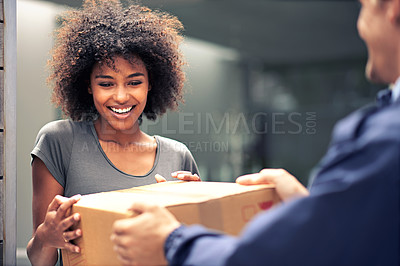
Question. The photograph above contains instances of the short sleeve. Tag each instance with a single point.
(53, 146)
(189, 164)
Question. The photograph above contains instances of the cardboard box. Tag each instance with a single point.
(218, 205)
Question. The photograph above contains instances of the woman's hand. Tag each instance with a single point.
(55, 229)
(287, 186)
(181, 175)
(185, 176)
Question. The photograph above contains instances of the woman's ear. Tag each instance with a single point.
(89, 89)
(149, 89)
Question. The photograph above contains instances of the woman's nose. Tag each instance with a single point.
(121, 95)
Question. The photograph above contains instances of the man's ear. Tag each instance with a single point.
(394, 11)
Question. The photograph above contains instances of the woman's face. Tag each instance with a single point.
(119, 94)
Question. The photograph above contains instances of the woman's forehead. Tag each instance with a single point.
(118, 61)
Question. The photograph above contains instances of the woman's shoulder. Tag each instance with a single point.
(62, 128)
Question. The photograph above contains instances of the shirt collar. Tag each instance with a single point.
(395, 90)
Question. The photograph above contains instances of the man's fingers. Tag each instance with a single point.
(265, 176)
(287, 186)
(120, 227)
(123, 259)
(250, 179)
(121, 238)
(123, 226)
(140, 207)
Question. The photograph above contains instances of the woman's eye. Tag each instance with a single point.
(105, 84)
(135, 83)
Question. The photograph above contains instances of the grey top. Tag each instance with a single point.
(72, 153)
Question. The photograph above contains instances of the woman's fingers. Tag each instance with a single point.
(66, 204)
(69, 221)
(160, 178)
(56, 203)
(175, 174)
(71, 247)
(190, 177)
(71, 235)
(57, 226)
(186, 176)
(68, 236)
(181, 175)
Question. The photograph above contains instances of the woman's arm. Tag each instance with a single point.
(51, 219)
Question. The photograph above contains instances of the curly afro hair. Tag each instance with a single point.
(102, 29)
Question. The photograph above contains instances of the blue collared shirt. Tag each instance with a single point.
(395, 90)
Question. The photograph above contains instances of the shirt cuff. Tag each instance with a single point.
(172, 239)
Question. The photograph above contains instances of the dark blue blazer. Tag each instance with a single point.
(350, 218)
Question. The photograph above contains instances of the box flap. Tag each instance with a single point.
(195, 189)
(164, 194)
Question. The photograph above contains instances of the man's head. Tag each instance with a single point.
(379, 26)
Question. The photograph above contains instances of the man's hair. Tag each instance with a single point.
(99, 31)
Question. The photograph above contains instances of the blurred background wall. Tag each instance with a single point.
(266, 82)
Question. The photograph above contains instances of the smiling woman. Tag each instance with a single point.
(110, 66)
(119, 95)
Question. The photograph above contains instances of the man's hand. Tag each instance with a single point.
(287, 186)
(140, 240)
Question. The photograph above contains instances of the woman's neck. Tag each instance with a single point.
(133, 136)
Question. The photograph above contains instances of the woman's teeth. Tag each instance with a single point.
(121, 111)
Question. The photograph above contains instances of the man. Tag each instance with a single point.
(351, 215)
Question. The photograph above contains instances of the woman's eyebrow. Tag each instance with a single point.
(104, 77)
(135, 75)
(110, 77)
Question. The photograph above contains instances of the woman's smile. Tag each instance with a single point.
(121, 110)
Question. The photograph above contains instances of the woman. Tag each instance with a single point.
(110, 66)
